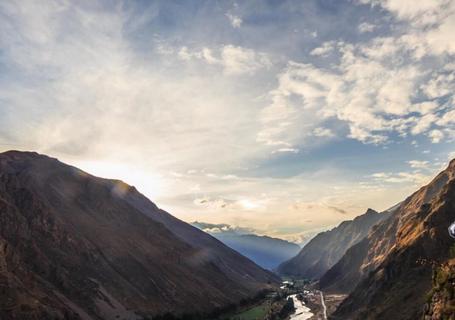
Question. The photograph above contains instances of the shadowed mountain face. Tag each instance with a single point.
(79, 247)
(389, 273)
(266, 251)
(324, 250)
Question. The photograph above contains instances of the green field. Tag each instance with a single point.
(254, 313)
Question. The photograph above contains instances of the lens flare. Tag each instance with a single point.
(452, 230)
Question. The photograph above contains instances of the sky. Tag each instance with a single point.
(286, 117)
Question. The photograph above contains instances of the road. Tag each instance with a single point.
(324, 307)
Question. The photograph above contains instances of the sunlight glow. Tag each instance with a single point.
(151, 185)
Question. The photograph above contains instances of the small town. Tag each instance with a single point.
(296, 299)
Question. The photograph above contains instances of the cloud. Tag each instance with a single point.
(297, 104)
(432, 20)
(229, 204)
(323, 132)
(442, 83)
(235, 21)
(235, 60)
(320, 206)
(366, 27)
(286, 150)
(436, 136)
(378, 89)
(219, 203)
(171, 91)
(423, 11)
(418, 164)
(425, 122)
(77, 88)
(324, 50)
(238, 60)
(447, 119)
(223, 228)
(416, 178)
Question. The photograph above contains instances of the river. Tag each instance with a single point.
(301, 311)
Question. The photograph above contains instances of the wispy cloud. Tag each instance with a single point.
(216, 121)
(323, 132)
(417, 178)
(281, 150)
(235, 60)
(436, 135)
(235, 21)
(366, 27)
(418, 164)
(372, 90)
(325, 49)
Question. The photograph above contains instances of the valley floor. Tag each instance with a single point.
(319, 304)
(307, 304)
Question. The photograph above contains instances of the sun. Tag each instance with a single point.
(149, 183)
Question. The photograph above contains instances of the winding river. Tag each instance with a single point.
(301, 311)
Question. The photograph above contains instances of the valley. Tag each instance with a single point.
(92, 248)
(279, 305)
(268, 252)
(227, 160)
(308, 303)
(402, 258)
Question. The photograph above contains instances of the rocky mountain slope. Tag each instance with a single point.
(441, 299)
(268, 252)
(73, 246)
(324, 250)
(389, 273)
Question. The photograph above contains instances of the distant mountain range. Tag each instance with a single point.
(326, 248)
(266, 251)
(74, 246)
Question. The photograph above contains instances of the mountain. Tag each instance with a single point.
(441, 299)
(326, 248)
(388, 275)
(74, 246)
(266, 251)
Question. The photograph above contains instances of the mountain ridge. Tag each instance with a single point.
(389, 274)
(326, 248)
(75, 246)
(266, 251)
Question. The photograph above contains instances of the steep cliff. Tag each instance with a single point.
(326, 248)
